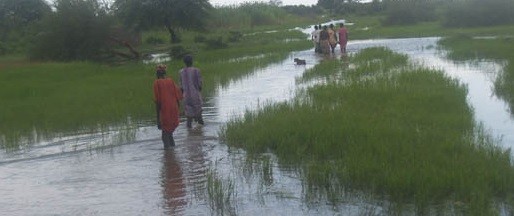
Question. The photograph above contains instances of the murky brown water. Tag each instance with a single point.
(127, 172)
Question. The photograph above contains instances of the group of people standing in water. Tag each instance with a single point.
(326, 38)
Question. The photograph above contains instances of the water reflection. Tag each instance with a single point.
(174, 189)
(184, 171)
(197, 165)
(157, 58)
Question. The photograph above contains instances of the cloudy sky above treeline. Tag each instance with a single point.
(284, 2)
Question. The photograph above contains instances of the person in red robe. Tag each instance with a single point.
(343, 38)
(167, 97)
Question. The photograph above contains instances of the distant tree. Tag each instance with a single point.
(275, 2)
(16, 19)
(479, 13)
(20, 13)
(327, 4)
(77, 30)
(409, 12)
(302, 10)
(376, 6)
(172, 14)
(340, 6)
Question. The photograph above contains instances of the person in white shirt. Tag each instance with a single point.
(315, 36)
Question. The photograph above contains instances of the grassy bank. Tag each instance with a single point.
(369, 27)
(395, 131)
(462, 48)
(52, 98)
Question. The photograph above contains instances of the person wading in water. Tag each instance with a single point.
(167, 98)
(191, 81)
(343, 37)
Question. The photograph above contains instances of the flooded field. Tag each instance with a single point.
(126, 171)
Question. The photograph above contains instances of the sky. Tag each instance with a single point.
(284, 2)
(236, 2)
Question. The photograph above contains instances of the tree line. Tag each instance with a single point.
(450, 13)
(82, 29)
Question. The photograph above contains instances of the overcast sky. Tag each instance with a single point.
(284, 2)
(236, 2)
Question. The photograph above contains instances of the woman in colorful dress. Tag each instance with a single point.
(332, 38)
(323, 40)
(343, 37)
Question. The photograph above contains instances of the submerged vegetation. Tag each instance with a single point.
(220, 194)
(385, 127)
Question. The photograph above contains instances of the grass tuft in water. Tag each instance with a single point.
(399, 132)
(221, 194)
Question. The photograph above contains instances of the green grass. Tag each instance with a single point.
(254, 16)
(404, 133)
(220, 194)
(369, 27)
(48, 97)
(462, 48)
(53, 98)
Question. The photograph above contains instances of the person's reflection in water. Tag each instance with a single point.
(174, 189)
(197, 164)
(345, 61)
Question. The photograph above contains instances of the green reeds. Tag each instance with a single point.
(401, 133)
(220, 194)
(462, 48)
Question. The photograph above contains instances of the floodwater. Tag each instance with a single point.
(126, 171)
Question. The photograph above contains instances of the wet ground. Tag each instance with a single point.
(125, 171)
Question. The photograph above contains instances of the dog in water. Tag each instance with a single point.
(299, 61)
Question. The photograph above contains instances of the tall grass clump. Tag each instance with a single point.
(220, 194)
(504, 85)
(404, 134)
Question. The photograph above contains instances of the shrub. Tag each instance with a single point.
(409, 12)
(3, 48)
(178, 52)
(154, 40)
(479, 13)
(216, 43)
(248, 14)
(200, 39)
(78, 30)
(234, 36)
